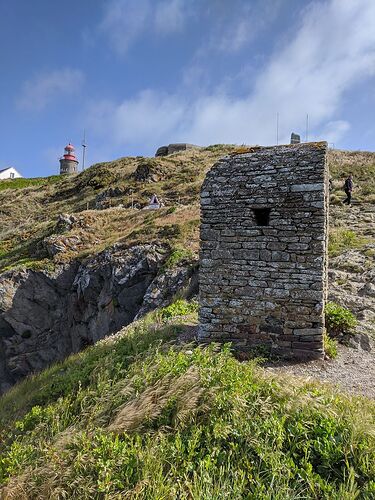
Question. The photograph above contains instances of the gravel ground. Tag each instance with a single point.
(353, 371)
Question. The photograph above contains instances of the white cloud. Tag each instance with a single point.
(228, 26)
(333, 131)
(236, 24)
(124, 21)
(332, 49)
(163, 114)
(236, 37)
(143, 121)
(38, 92)
(170, 15)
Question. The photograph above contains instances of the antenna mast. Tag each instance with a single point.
(307, 128)
(84, 145)
(277, 129)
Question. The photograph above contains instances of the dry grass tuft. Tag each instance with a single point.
(241, 150)
(184, 393)
(16, 489)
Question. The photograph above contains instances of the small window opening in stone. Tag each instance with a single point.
(262, 216)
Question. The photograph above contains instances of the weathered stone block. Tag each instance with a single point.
(307, 331)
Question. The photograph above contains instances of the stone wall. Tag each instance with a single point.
(264, 249)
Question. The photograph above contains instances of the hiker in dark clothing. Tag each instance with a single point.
(348, 188)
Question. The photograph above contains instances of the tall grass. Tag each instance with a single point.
(138, 416)
(341, 239)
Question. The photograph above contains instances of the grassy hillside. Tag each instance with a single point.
(29, 208)
(21, 183)
(140, 415)
(144, 415)
(362, 165)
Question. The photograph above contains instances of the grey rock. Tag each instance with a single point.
(358, 341)
(65, 222)
(104, 199)
(368, 289)
(45, 317)
(56, 244)
(148, 171)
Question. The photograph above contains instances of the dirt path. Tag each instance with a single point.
(353, 371)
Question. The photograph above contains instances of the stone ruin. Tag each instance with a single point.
(175, 148)
(263, 268)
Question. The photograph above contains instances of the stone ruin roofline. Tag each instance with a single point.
(254, 149)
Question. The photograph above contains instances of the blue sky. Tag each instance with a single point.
(137, 74)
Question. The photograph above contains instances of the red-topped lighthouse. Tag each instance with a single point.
(69, 162)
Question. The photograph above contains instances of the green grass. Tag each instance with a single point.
(22, 183)
(179, 307)
(140, 417)
(26, 250)
(178, 256)
(341, 239)
(330, 346)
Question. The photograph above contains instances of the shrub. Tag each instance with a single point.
(335, 199)
(330, 346)
(97, 178)
(170, 231)
(218, 147)
(338, 319)
(171, 210)
(179, 308)
(177, 256)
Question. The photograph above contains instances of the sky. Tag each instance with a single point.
(139, 74)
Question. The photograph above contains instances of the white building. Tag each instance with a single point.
(9, 173)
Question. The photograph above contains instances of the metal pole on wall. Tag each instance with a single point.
(307, 128)
(277, 129)
(84, 145)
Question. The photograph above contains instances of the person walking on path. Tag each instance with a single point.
(348, 188)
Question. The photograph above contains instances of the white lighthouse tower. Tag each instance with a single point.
(69, 162)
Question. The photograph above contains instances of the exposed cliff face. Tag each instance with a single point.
(45, 317)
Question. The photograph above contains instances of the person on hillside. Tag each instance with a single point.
(348, 188)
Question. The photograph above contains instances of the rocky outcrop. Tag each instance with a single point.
(106, 198)
(148, 171)
(352, 273)
(44, 317)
